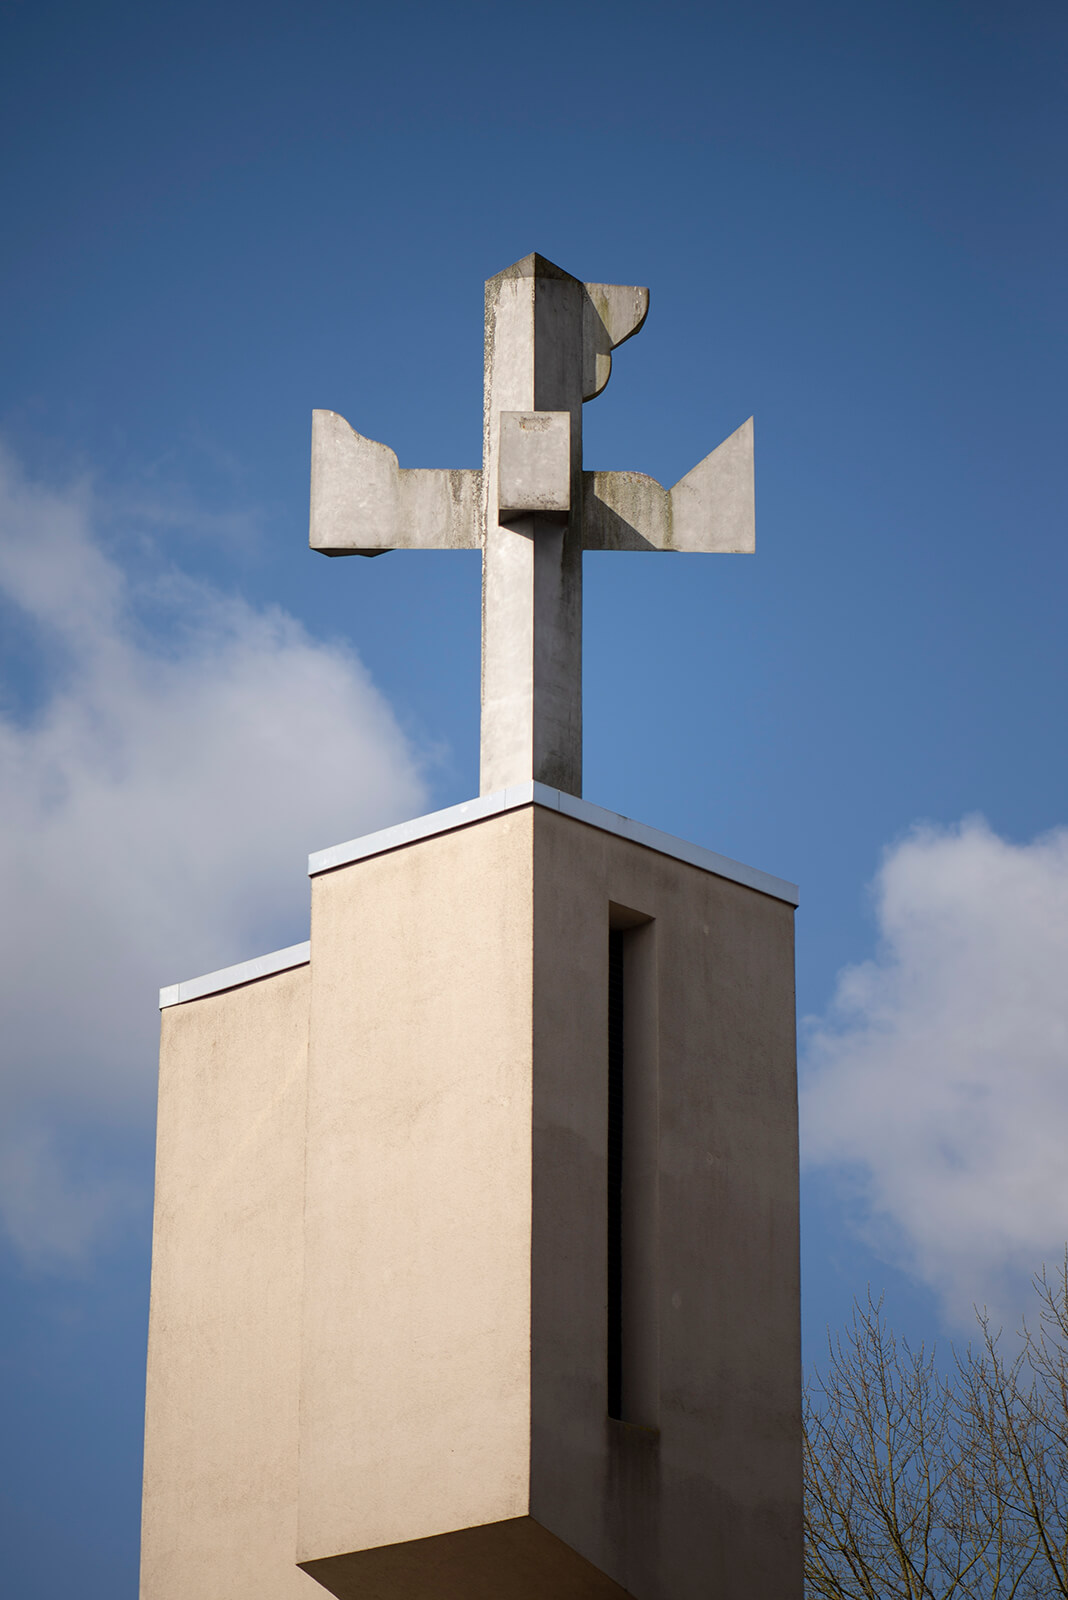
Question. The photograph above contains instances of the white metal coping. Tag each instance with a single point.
(295, 955)
(539, 794)
(487, 805)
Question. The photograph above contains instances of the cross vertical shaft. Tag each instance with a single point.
(532, 563)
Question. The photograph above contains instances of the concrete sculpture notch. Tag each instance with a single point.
(531, 508)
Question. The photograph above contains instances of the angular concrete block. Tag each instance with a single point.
(462, 1434)
(514, 1560)
(475, 1263)
(364, 503)
(711, 509)
(613, 313)
(535, 462)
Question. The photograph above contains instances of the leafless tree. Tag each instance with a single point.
(924, 1485)
(1026, 1401)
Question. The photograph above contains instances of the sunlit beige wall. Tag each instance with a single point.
(415, 1399)
(220, 1486)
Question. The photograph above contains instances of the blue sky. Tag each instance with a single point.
(852, 222)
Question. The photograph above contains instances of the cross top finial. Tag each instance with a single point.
(531, 509)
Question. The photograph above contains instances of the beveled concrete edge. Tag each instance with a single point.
(294, 955)
(539, 794)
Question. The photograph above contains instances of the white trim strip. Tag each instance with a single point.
(295, 955)
(525, 794)
(681, 849)
(376, 844)
(487, 805)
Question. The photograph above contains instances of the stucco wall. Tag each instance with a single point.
(220, 1485)
(709, 1504)
(415, 1412)
(379, 1304)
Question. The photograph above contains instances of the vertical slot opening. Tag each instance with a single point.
(616, 1002)
(633, 1191)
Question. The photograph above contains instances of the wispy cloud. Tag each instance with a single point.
(158, 805)
(939, 1078)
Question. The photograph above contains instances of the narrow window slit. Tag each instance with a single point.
(632, 1353)
(616, 1001)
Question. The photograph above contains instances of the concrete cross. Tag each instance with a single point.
(532, 510)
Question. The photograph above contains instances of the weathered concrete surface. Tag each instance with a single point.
(711, 509)
(220, 1481)
(549, 339)
(612, 314)
(532, 566)
(363, 502)
(535, 464)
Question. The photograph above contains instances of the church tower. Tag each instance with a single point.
(475, 1261)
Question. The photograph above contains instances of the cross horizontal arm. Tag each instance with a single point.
(710, 509)
(363, 503)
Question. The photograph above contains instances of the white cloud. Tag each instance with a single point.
(158, 807)
(939, 1078)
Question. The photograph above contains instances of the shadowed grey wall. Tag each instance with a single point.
(707, 1502)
